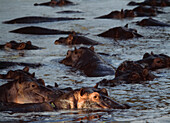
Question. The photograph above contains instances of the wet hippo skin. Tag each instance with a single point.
(129, 72)
(54, 3)
(120, 33)
(38, 19)
(87, 98)
(19, 46)
(155, 61)
(25, 88)
(161, 3)
(118, 14)
(73, 39)
(144, 11)
(86, 60)
(24, 108)
(152, 22)
(39, 31)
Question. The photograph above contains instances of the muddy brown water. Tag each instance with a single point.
(150, 102)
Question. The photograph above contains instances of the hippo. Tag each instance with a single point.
(86, 60)
(129, 72)
(38, 19)
(87, 98)
(69, 12)
(160, 3)
(25, 88)
(19, 74)
(25, 91)
(6, 64)
(39, 31)
(19, 46)
(118, 15)
(155, 61)
(27, 107)
(83, 98)
(73, 39)
(152, 22)
(121, 33)
(54, 3)
(142, 11)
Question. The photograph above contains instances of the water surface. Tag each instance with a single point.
(150, 102)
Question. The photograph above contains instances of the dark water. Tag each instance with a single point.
(150, 102)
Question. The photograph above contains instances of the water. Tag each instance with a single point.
(150, 102)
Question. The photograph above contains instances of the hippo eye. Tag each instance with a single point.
(159, 61)
(33, 85)
(96, 97)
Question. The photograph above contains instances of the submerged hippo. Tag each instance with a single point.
(161, 3)
(25, 91)
(69, 12)
(155, 61)
(39, 31)
(28, 107)
(152, 22)
(6, 64)
(86, 60)
(38, 19)
(87, 98)
(129, 72)
(19, 46)
(54, 3)
(121, 33)
(84, 98)
(25, 88)
(119, 14)
(20, 74)
(73, 39)
(142, 11)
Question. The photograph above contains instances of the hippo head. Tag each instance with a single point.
(58, 2)
(17, 74)
(27, 90)
(132, 72)
(97, 99)
(73, 56)
(155, 61)
(68, 40)
(15, 45)
(129, 13)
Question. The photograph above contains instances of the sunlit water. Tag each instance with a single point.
(149, 101)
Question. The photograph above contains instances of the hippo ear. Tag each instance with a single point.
(145, 72)
(75, 49)
(41, 81)
(26, 69)
(103, 90)
(126, 25)
(121, 11)
(81, 91)
(92, 48)
(29, 43)
(33, 74)
(152, 53)
(96, 86)
(146, 55)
